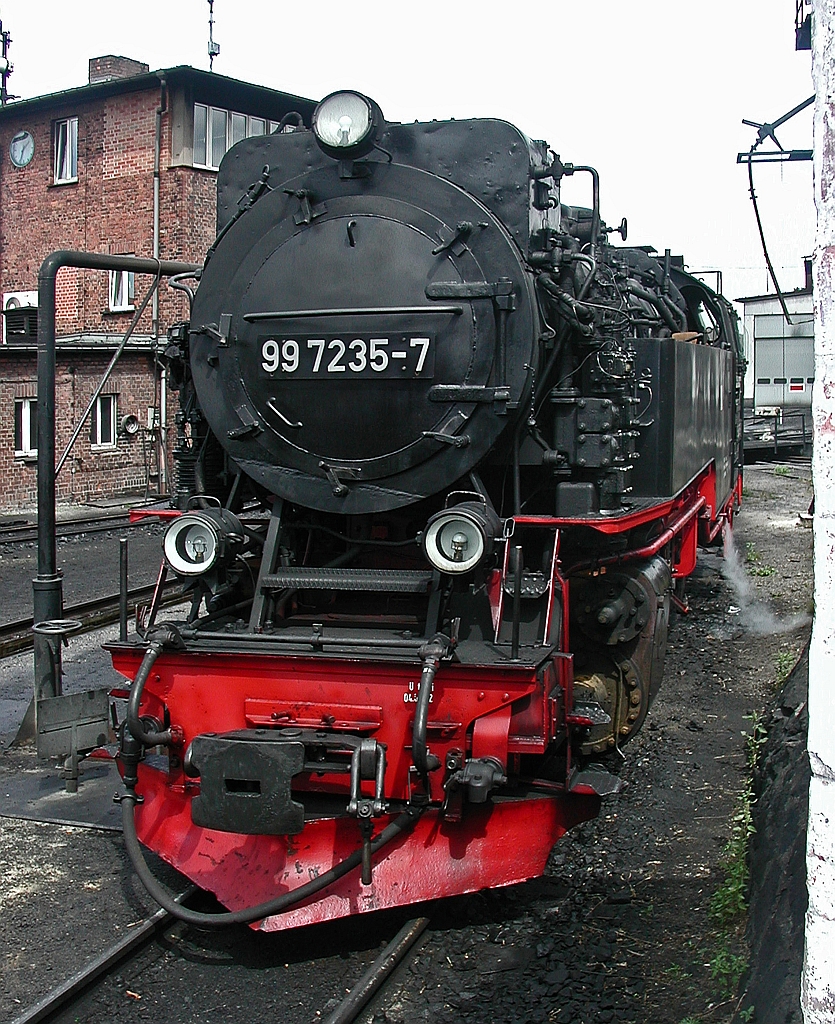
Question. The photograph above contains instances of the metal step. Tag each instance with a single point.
(594, 779)
(588, 713)
(395, 581)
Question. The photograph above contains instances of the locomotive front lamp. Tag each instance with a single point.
(347, 124)
(199, 541)
(460, 538)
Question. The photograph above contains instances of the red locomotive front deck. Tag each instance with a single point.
(475, 712)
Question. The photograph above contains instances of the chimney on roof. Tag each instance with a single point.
(807, 267)
(106, 69)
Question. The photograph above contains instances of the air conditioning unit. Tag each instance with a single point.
(20, 316)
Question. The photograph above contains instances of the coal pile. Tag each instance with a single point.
(778, 857)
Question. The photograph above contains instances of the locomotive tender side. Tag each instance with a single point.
(445, 456)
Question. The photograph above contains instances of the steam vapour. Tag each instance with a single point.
(754, 615)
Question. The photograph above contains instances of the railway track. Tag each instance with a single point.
(17, 636)
(23, 531)
(62, 995)
(60, 1001)
(372, 982)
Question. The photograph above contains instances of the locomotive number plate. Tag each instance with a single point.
(347, 357)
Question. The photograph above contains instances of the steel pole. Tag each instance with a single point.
(817, 996)
(47, 586)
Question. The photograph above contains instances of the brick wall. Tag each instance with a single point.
(109, 209)
(89, 473)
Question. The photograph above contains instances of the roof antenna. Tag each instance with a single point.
(6, 68)
(214, 48)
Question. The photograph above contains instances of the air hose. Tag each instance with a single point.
(152, 737)
(438, 647)
(403, 823)
(131, 754)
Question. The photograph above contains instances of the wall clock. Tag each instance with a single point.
(21, 149)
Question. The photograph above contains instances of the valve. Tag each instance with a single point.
(479, 777)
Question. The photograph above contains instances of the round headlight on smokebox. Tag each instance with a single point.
(347, 124)
(460, 538)
(191, 544)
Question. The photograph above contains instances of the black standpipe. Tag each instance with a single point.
(48, 600)
(123, 589)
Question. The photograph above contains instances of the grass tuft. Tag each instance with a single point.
(729, 903)
(784, 663)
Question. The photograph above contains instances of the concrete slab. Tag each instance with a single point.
(31, 790)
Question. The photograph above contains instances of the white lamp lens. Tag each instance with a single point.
(198, 544)
(343, 120)
(458, 540)
(190, 546)
(454, 543)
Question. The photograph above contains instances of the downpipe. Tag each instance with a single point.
(47, 587)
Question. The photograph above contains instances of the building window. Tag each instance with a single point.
(217, 130)
(26, 427)
(103, 422)
(121, 291)
(238, 126)
(66, 150)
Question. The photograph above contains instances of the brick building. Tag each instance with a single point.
(126, 165)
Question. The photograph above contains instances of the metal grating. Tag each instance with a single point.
(384, 580)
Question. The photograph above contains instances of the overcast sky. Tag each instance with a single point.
(651, 92)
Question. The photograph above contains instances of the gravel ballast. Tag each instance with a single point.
(619, 930)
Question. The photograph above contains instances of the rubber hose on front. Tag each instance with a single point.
(148, 738)
(403, 823)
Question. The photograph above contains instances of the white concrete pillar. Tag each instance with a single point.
(818, 984)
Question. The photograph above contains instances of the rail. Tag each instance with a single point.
(52, 1003)
(17, 636)
(378, 973)
(20, 533)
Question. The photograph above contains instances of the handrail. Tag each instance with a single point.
(648, 550)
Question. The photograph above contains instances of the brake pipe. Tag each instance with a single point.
(147, 737)
(431, 654)
(403, 823)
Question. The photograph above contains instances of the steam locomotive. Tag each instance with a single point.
(445, 455)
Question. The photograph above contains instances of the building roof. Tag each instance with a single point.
(208, 86)
(774, 295)
(92, 341)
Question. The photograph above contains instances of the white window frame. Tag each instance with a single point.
(98, 440)
(121, 291)
(204, 116)
(28, 424)
(237, 127)
(65, 150)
